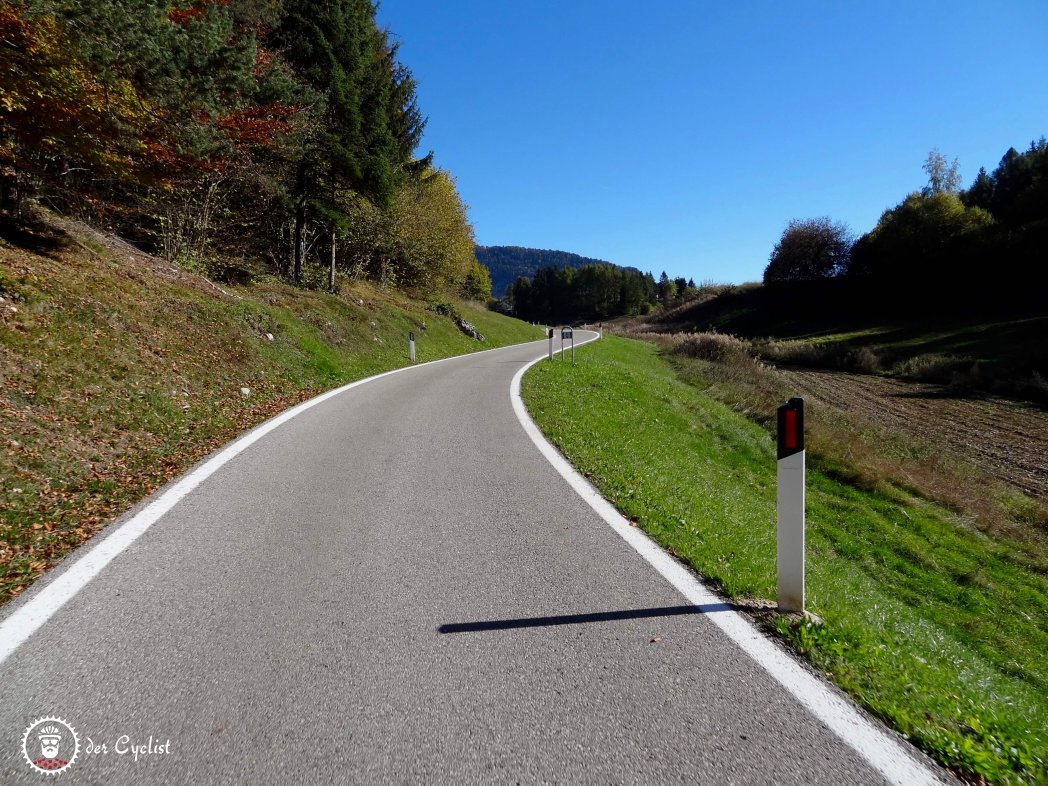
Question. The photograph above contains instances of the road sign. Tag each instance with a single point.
(569, 334)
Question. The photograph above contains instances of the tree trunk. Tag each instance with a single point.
(7, 202)
(300, 239)
(331, 270)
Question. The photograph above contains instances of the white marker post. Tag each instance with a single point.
(551, 343)
(791, 505)
(411, 344)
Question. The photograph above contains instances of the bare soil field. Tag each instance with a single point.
(1006, 438)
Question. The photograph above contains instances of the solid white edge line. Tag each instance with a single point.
(38, 609)
(887, 755)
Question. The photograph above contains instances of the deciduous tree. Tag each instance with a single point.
(943, 177)
(809, 249)
(922, 239)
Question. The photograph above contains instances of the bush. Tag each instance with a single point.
(716, 347)
(832, 355)
(932, 367)
(1035, 388)
(444, 309)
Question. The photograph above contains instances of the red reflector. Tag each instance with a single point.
(790, 438)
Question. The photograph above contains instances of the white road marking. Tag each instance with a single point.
(41, 605)
(888, 756)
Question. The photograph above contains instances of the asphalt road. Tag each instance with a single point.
(396, 587)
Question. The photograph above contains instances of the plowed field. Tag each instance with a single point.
(1006, 438)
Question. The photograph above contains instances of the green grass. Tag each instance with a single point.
(932, 626)
(117, 373)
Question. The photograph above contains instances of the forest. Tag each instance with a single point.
(941, 246)
(590, 292)
(940, 250)
(508, 263)
(258, 131)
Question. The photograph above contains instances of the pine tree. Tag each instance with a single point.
(981, 192)
(667, 289)
(369, 121)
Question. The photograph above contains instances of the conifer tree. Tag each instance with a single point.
(369, 122)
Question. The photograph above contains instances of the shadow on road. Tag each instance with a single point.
(578, 619)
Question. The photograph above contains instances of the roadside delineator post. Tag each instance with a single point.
(411, 345)
(551, 343)
(791, 505)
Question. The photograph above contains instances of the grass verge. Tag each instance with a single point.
(118, 372)
(931, 625)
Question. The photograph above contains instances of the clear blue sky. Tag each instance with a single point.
(683, 136)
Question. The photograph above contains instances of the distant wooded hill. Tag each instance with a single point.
(507, 263)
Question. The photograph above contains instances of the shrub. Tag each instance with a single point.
(716, 347)
(1034, 388)
(444, 309)
(832, 355)
(932, 367)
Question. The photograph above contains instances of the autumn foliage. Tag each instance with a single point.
(283, 132)
(54, 112)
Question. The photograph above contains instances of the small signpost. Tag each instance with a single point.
(411, 344)
(791, 505)
(551, 343)
(567, 333)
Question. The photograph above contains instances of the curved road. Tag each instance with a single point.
(395, 586)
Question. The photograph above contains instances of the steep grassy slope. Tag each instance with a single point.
(117, 372)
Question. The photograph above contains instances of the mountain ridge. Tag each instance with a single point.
(508, 263)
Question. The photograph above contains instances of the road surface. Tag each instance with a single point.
(395, 586)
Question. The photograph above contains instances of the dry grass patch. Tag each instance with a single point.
(868, 445)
